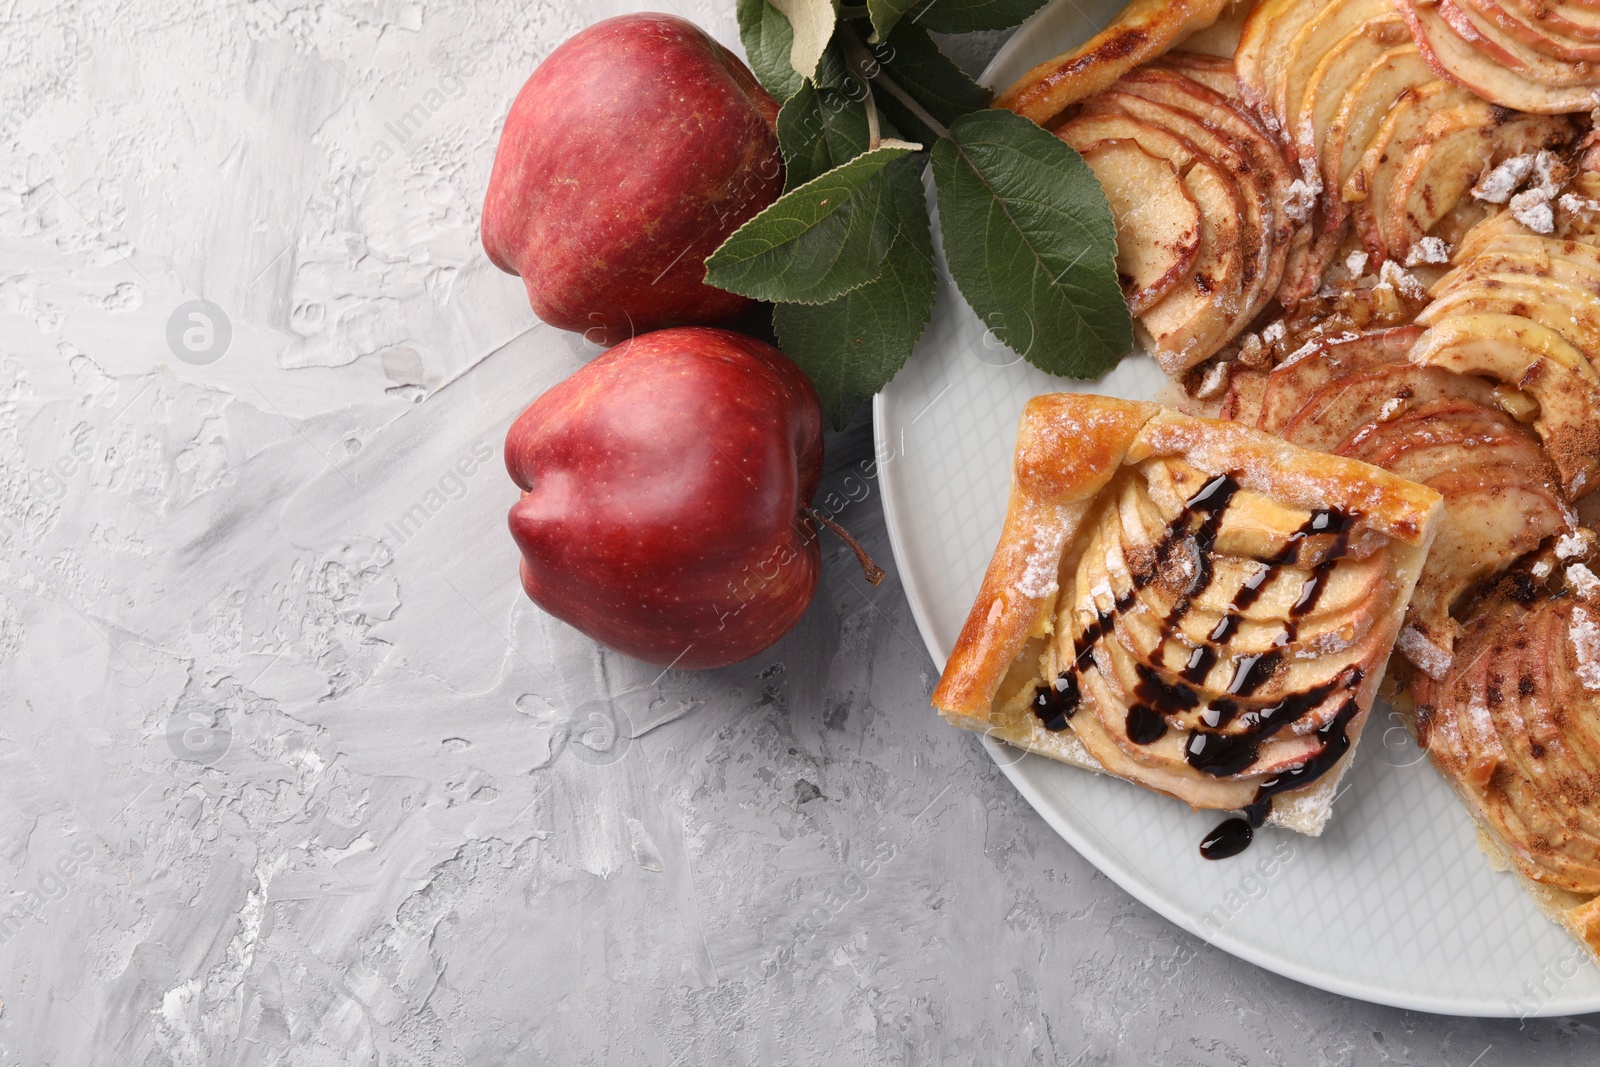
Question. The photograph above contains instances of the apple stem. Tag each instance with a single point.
(874, 137)
(870, 69)
(873, 572)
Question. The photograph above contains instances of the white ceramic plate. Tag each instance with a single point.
(1394, 903)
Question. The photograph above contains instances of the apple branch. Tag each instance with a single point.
(873, 572)
(871, 70)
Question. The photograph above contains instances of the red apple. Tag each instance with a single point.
(632, 152)
(663, 487)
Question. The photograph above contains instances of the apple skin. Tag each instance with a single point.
(662, 487)
(632, 152)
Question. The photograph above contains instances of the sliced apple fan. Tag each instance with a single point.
(1194, 606)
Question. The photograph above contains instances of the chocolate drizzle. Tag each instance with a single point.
(1056, 702)
(1232, 836)
(1156, 697)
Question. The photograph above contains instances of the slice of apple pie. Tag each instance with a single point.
(1514, 725)
(1189, 604)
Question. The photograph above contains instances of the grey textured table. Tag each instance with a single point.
(291, 773)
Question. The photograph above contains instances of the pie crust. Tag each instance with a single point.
(1189, 604)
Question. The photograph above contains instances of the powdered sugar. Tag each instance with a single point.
(1532, 209)
(1584, 633)
(1356, 264)
(1393, 276)
(1571, 546)
(1582, 581)
(1039, 577)
(1497, 186)
(1428, 657)
(1300, 198)
(1215, 380)
(1428, 250)
(1544, 173)
(1577, 205)
(1482, 723)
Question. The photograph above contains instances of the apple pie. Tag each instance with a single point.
(1369, 229)
(1194, 606)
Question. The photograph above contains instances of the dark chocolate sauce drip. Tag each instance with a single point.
(1210, 503)
(1229, 839)
(1232, 836)
(1056, 701)
(1145, 726)
(1219, 713)
(1252, 671)
(1224, 755)
(1201, 660)
(1157, 698)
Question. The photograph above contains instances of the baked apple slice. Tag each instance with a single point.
(1327, 29)
(1157, 219)
(1534, 358)
(1508, 20)
(1562, 276)
(1558, 284)
(1264, 48)
(1139, 558)
(1342, 408)
(1361, 114)
(1335, 75)
(1264, 166)
(1194, 320)
(1501, 502)
(1573, 22)
(1397, 136)
(1142, 32)
(1496, 44)
(1292, 384)
(1575, 263)
(1454, 57)
(1449, 155)
(1528, 296)
(1214, 72)
(1313, 126)
(1157, 642)
(1512, 728)
(1203, 310)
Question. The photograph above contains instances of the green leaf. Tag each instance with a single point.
(815, 242)
(965, 16)
(851, 347)
(885, 14)
(819, 129)
(812, 22)
(831, 72)
(917, 65)
(767, 39)
(1029, 239)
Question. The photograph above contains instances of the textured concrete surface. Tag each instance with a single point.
(291, 773)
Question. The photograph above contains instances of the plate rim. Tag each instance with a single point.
(1033, 793)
